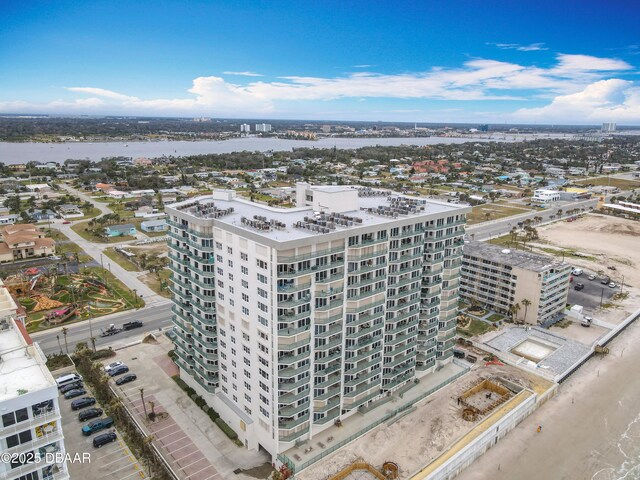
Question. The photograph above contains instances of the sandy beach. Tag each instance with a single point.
(590, 430)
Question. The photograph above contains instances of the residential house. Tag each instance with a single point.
(23, 241)
(70, 210)
(154, 225)
(123, 230)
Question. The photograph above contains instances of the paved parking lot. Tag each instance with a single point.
(113, 461)
(589, 297)
(186, 458)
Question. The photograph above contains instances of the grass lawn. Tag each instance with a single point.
(121, 260)
(79, 228)
(621, 183)
(495, 317)
(155, 283)
(476, 327)
(495, 211)
(94, 212)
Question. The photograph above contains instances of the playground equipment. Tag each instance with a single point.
(60, 316)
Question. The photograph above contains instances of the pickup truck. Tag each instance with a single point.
(132, 325)
(97, 425)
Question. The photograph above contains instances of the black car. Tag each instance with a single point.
(119, 370)
(104, 438)
(89, 413)
(132, 325)
(71, 386)
(129, 377)
(578, 286)
(76, 392)
(82, 402)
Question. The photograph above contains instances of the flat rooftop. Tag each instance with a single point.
(22, 369)
(235, 209)
(507, 256)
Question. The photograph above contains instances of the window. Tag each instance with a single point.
(264, 412)
(244, 270)
(19, 438)
(230, 276)
(263, 307)
(230, 250)
(219, 258)
(263, 321)
(245, 297)
(262, 278)
(245, 284)
(219, 271)
(262, 264)
(247, 362)
(247, 374)
(264, 399)
(231, 290)
(230, 263)
(263, 293)
(248, 387)
(245, 310)
(15, 417)
(244, 257)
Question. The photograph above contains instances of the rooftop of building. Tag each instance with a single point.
(506, 256)
(284, 224)
(22, 364)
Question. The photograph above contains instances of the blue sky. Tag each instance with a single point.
(495, 61)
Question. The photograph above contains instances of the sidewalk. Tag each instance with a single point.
(201, 437)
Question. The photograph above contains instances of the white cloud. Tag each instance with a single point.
(532, 47)
(364, 65)
(570, 81)
(605, 100)
(244, 74)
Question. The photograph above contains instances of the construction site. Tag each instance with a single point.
(442, 433)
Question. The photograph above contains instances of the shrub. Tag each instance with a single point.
(228, 431)
(213, 415)
(101, 354)
(172, 355)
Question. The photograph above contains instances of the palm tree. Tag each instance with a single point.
(58, 338)
(93, 343)
(526, 303)
(143, 404)
(65, 330)
(513, 310)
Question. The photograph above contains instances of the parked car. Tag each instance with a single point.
(89, 413)
(104, 438)
(119, 370)
(63, 380)
(111, 366)
(97, 425)
(129, 377)
(458, 354)
(82, 403)
(586, 321)
(76, 392)
(171, 334)
(576, 272)
(613, 285)
(605, 281)
(66, 222)
(591, 277)
(71, 386)
(578, 286)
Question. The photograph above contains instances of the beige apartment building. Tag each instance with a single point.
(501, 279)
(24, 241)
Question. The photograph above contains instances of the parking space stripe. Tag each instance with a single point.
(174, 451)
(187, 456)
(212, 476)
(137, 472)
(202, 469)
(197, 471)
(171, 443)
(164, 428)
(169, 434)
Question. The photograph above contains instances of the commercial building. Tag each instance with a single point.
(290, 320)
(24, 241)
(263, 127)
(28, 404)
(543, 195)
(501, 279)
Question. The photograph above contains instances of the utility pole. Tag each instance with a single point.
(601, 297)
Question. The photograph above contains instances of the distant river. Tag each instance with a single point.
(59, 152)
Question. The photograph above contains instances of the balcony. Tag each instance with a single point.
(363, 365)
(289, 398)
(369, 242)
(362, 378)
(292, 436)
(331, 380)
(329, 358)
(204, 384)
(328, 293)
(365, 318)
(368, 306)
(366, 255)
(291, 332)
(292, 410)
(367, 268)
(365, 294)
(293, 422)
(331, 344)
(331, 278)
(404, 293)
(365, 355)
(319, 320)
(292, 301)
(329, 332)
(332, 392)
(291, 359)
(288, 386)
(362, 389)
(328, 417)
(291, 288)
(293, 316)
(330, 305)
(307, 256)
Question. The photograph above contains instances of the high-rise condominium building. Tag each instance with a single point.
(504, 279)
(289, 320)
(263, 127)
(609, 127)
(245, 127)
(30, 423)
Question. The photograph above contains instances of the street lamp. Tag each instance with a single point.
(135, 294)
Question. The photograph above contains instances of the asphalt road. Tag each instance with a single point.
(153, 318)
(495, 228)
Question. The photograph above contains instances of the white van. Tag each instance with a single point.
(576, 272)
(67, 379)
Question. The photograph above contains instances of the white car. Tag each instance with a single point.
(612, 285)
(111, 366)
